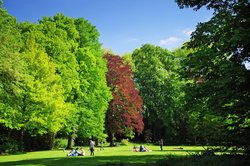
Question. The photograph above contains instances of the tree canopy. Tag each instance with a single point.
(124, 115)
(55, 81)
(53, 77)
(156, 77)
(221, 83)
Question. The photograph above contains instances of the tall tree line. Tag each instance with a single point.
(220, 87)
(204, 98)
(53, 78)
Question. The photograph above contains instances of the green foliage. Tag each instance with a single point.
(93, 69)
(125, 142)
(38, 96)
(43, 86)
(52, 76)
(129, 133)
(129, 60)
(158, 81)
(60, 143)
(31, 93)
(73, 45)
(11, 67)
(148, 136)
(220, 84)
(7, 145)
(107, 51)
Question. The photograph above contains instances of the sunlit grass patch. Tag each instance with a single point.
(120, 155)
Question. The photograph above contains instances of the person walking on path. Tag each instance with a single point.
(161, 144)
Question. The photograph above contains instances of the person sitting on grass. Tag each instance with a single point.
(82, 152)
(135, 149)
(146, 149)
(143, 149)
(73, 152)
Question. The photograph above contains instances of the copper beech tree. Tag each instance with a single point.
(124, 115)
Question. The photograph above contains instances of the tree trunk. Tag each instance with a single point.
(9, 133)
(112, 136)
(70, 140)
(21, 148)
(52, 140)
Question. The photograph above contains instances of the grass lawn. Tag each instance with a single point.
(120, 155)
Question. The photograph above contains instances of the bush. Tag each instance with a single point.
(124, 142)
(148, 136)
(60, 143)
(7, 145)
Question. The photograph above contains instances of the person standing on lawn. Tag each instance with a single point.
(92, 148)
(161, 144)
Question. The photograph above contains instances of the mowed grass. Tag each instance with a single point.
(108, 156)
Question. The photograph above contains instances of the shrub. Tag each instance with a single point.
(148, 136)
(60, 143)
(7, 145)
(124, 142)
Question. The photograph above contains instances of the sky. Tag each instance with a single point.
(124, 25)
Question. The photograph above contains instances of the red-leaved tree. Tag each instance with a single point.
(125, 110)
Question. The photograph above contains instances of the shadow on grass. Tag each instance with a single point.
(16, 153)
(89, 161)
(178, 150)
(148, 160)
(192, 160)
(134, 159)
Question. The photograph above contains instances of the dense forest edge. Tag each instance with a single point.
(60, 88)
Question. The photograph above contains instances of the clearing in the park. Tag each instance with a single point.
(121, 155)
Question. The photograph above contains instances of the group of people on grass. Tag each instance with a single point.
(141, 148)
(74, 152)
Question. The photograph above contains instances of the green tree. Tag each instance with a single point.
(53, 76)
(31, 101)
(182, 118)
(43, 83)
(220, 46)
(9, 48)
(60, 44)
(129, 60)
(92, 69)
(73, 46)
(157, 82)
(11, 67)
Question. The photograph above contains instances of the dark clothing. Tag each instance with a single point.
(161, 144)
